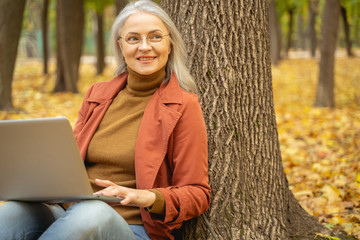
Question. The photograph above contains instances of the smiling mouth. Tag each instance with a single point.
(146, 58)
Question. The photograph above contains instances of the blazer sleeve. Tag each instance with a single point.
(189, 194)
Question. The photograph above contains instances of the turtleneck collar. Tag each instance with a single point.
(144, 85)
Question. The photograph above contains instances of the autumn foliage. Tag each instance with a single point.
(320, 147)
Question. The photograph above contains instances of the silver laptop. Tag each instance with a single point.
(40, 161)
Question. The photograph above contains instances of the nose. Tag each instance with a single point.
(144, 45)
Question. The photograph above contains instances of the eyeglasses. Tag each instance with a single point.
(135, 38)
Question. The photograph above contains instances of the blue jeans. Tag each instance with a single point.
(85, 220)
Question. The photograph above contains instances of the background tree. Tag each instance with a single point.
(330, 23)
(119, 5)
(98, 7)
(69, 36)
(313, 8)
(30, 28)
(275, 34)
(293, 16)
(301, 34)
(11, 16)
(354, 13)
(346, 26)
(228, 45)
(44, 28)
(290, 9)
(98, 25)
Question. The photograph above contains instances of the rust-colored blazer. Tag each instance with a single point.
(170, 153)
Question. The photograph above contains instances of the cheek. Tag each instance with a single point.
(165, 52)
(128, 53)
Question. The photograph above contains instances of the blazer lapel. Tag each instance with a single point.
(97, 104)
(159, 120)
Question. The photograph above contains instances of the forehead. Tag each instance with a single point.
(143, 23)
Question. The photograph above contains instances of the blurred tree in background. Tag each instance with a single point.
(69, 36)
(295, 26)
(98, 9)
(11, 15)
(301, 21)
(326, 82)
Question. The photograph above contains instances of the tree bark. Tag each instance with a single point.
(346, 31)
(69, 28)
(313, 11)
(11, 16)
(275, 36)
(229, 56)
(98, 26)
(44, 26)
(325, 88)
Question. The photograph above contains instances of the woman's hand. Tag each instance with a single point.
(132, 197)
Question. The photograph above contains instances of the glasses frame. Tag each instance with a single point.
(142, 38)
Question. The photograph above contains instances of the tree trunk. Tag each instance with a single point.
(98, 27)
(313, 11)
(291, 12)
(29, 44)
(229, 56)
(119, 5)
(275, 36)
(69, 29)
(346, 31)
(301, 36)
(11, 16)
(325, 88)
(44, 26)
(356, 31)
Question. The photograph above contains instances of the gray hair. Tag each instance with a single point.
(177, 57)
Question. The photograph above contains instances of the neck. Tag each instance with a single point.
(138, 84)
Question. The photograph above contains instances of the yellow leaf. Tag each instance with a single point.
(332, 193)
(326, 236)
(358, 180)
(337, 220)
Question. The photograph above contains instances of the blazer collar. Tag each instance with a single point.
(108, 90)
(168, 92)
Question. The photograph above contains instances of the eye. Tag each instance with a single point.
(155, 37)
(133, 38)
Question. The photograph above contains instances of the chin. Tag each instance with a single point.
(147, 72)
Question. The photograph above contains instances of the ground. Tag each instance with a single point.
(320, 147)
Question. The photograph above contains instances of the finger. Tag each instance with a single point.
(117, 191)
(104, 183)
(109, 191)
(128, 201)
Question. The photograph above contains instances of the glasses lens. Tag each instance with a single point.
(155, 37)
(133, 38)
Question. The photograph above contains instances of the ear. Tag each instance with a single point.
(120, 45)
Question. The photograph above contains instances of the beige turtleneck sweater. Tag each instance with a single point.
(111, 150)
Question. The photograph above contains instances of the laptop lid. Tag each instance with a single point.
(40, 161)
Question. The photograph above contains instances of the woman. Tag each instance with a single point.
(144, 133)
